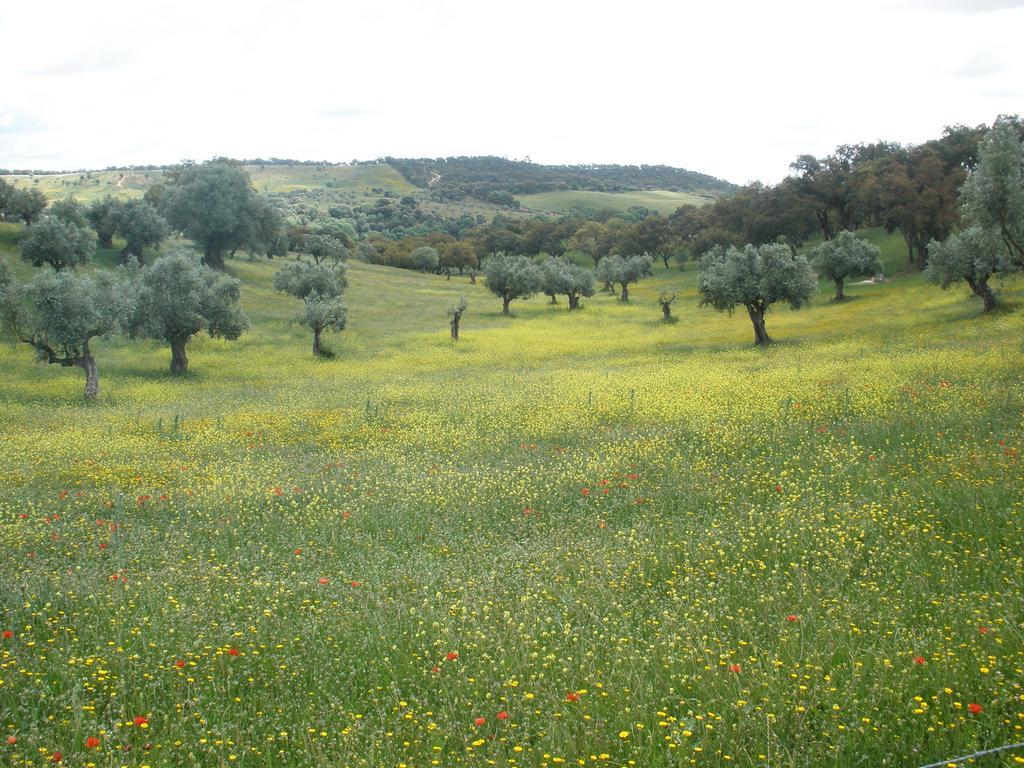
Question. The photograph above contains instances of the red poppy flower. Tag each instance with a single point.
(974, 708)
(527, 512)
(180, 663)
(92, 742)
(353, 583)
(298, 551)
(141, 720)
(586, 491)
(57, 757)
(452, 655)
(735, 668)
(983, 630)
(8, 634)
(480, 721)
(503, 715)
(232, 651)
(324, 581)
(919, 659)
(12, 739)
(778, 489)
(791, 617)
(435, 669)
(572, 696)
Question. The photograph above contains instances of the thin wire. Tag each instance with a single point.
(955, 760)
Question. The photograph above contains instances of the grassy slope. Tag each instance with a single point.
(597, 504)
(663, 201)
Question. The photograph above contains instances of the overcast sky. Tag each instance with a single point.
(735, 89)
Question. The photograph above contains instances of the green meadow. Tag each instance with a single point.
(663, 201)
(568, 539)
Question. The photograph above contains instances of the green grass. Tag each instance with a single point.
(600, 513)
(90, 185)
(662, 201)
(356, 179)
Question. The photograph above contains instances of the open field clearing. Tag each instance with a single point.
(663, 201)
(589, 538)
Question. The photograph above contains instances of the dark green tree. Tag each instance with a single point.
(993, 195)
(214, 205)
(25, 204)
(103, 216)
(141, 226)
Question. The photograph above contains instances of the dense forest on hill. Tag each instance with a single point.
(496, 179)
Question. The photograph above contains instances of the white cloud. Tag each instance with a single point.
(736, 89)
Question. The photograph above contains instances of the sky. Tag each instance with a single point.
(731, 88)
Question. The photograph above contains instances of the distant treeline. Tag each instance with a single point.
(496, 179)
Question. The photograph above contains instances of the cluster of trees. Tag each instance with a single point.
(498, 179)
(58, 313)
(517, 276)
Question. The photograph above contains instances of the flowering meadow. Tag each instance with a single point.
(568, 539)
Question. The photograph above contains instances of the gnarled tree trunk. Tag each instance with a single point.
(840, 296)
(666, 309)
(454, 323)
(317, 350)
(574, 301)
(92, 378)
(213, 257)
(179, 360)
(756, 312)
(505, 301)
(982, 290)
(624, 296)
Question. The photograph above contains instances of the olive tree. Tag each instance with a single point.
(69, 210)
(60, 243)
(25, 204)
(561, 276)
(320, 287)
(214, 205)
(755, 277)
(993, 195)
(665, 298)
(511, 277)
(845, 256)
(425, 258)
(58, 314)
(626, 270)
(323, 248)
(178, 296)
(455, 315)
(974, 256)
(103, 216)
(141, 226)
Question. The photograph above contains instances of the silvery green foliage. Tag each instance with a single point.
(624, 270)
(322, 313)
(178, 296)
(320, 287)
(511, 277)
(57, 242)
(845, 256)
(300, 279)
(59, 313)
(974, 256)
(425, 258)
(993, 195)
(755, 275)
(561, 276)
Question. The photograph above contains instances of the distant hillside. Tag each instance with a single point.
(495, 179)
